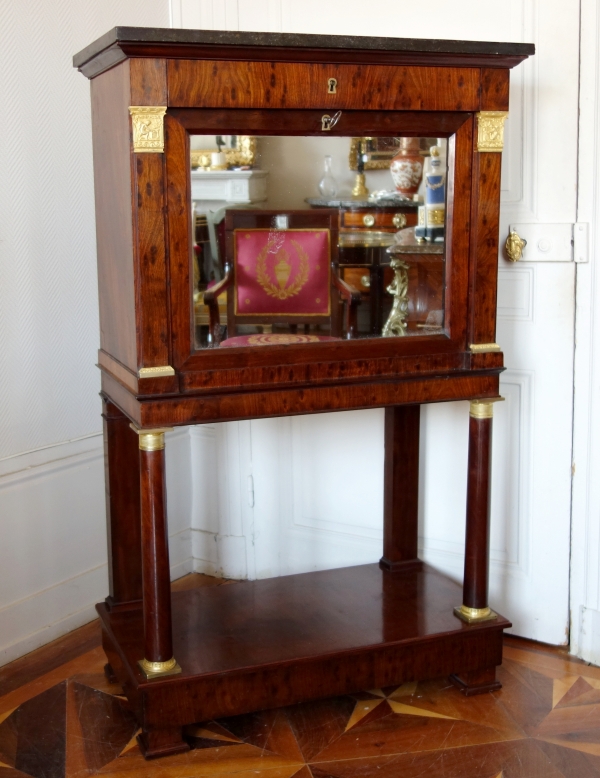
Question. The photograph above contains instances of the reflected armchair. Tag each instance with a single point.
(282, 271)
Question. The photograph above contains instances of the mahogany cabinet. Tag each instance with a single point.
(227, 650)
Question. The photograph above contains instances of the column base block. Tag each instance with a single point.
(477, 682)
(155, 670)
(162, 742)
(405, 566)
(110, 674)
(474, 615)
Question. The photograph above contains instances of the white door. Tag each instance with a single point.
(318, 480)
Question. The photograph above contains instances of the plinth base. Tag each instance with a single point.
(477, 682)
(280, 641)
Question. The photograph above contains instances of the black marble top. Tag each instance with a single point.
(174, 37)
(352, 202)
(416, 248)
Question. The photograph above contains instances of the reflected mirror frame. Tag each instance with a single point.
(379, 159)
(243, 154)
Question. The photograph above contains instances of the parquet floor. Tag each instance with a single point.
(60, 718)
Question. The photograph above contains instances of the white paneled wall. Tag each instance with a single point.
(53, 550)
(222, 516)
(52, 539)
(48, 289)
(487, 20)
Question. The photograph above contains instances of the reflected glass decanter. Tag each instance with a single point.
(328, 184)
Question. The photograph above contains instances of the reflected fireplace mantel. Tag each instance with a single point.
(212, 189)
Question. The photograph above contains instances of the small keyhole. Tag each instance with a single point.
(332, 86)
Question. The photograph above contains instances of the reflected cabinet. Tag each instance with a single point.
(293, 224)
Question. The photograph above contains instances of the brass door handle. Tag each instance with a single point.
(514, 246)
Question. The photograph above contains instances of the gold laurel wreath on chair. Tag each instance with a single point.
(263, 277)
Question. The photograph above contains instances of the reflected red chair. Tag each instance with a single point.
(281, 268)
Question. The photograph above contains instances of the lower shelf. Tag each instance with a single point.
(275, 642)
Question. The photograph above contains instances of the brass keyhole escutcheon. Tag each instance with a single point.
(331, 86)
(514, 246)
(328, 122)
(399, 221)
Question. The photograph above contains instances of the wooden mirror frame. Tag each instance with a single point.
(181, 123)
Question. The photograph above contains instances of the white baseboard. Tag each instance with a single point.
(206, 568)
(223, 556)
(232, 557)
(205, 552)
(49, 614)
(181, 561)
(53, 552)
(30, 623)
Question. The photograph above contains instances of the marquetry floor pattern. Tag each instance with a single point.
(545, 722)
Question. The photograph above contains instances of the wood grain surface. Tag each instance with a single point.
(278, 641)
(156, 581)
(114, 219)
(298, 85)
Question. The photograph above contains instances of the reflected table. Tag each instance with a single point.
(425, 284)
(362, 259)
(365, 262)
(366, 230)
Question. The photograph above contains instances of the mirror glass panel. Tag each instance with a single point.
(307, 239)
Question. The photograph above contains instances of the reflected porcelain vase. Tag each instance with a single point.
(407, 167)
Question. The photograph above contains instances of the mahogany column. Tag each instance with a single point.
(121, 461)
(475, 606)
(477, 546)
(401, 489)
(158, 639)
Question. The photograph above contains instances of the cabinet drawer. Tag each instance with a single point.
(369, 220)
(247, 84)
(358, 277)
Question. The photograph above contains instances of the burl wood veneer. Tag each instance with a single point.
(229, 650)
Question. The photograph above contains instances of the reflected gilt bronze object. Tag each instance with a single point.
(396, 323)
